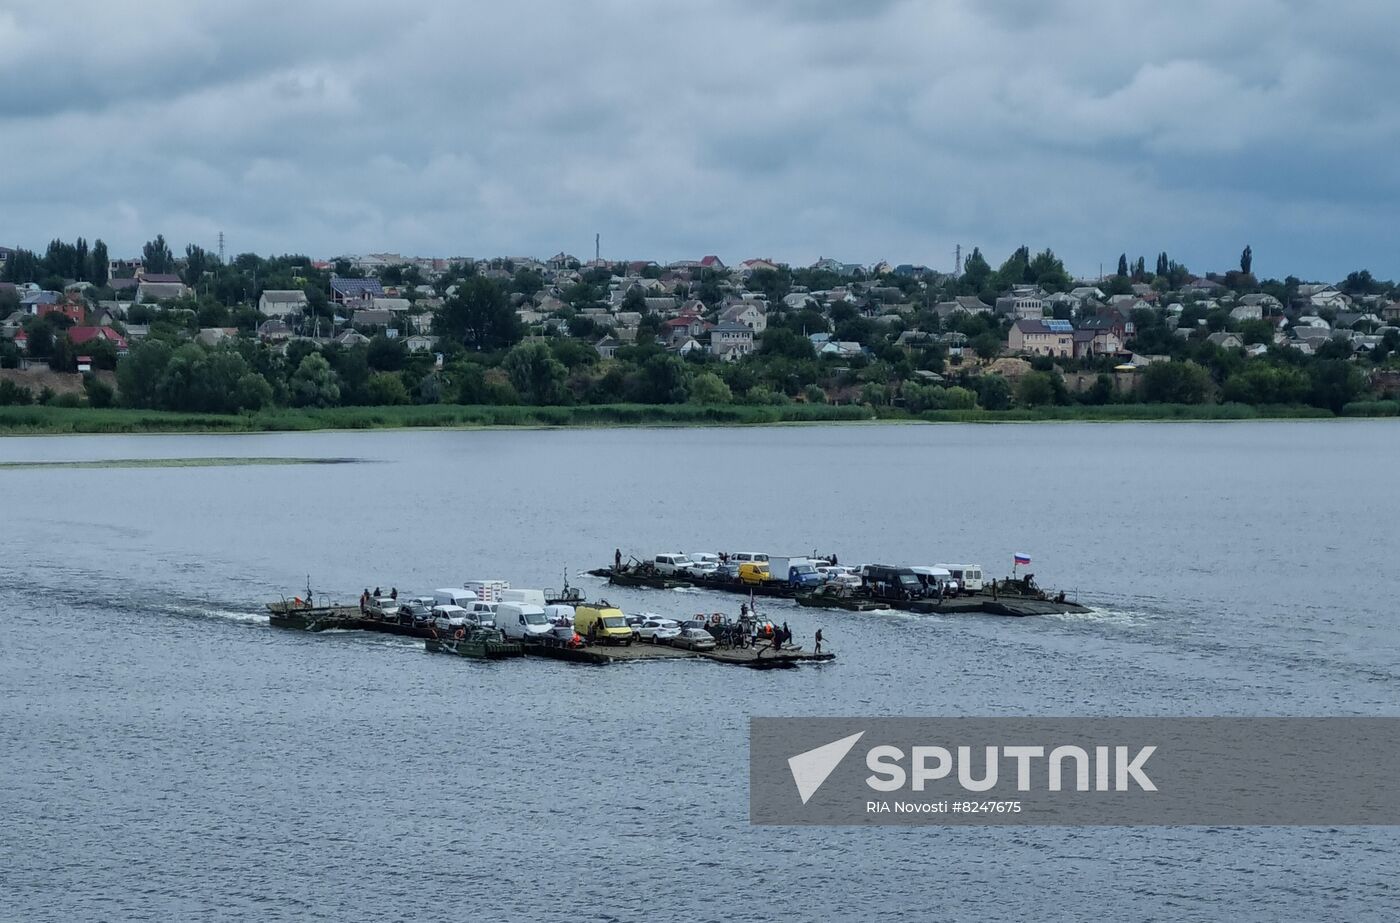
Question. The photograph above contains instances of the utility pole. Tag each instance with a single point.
(597, 248)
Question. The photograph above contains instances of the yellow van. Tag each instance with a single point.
(602, 624)
(753, 573)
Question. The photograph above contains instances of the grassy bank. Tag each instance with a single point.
(42, 419)
(35, 420)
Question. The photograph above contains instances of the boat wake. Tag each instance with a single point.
(1101, 616)
(210, 611)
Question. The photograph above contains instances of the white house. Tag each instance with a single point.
(281, 302)
(749, 313)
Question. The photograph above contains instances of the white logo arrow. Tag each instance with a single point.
(810, 769)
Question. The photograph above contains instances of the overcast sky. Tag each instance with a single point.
(791, 129)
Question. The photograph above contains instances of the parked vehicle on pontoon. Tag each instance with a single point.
(658, 630)
(702, 564)
(522, 621)
(449, 617)
(603, 624)
(694, 639)
(798, 572)
(968, 576)
(482, 613)
(885, 581)
(937, 581)
(671, 564)
(453, 596)
(528, 597)
(416, 609)
(384, 607)
(488, 590)
(839, 575)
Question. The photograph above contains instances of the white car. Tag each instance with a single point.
(694, 639)
(840, 576)
(658, 630)
(702, 568)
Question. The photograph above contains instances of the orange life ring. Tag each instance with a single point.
(459, 634)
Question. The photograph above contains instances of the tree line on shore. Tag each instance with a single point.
(489, 357)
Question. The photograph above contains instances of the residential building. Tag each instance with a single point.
(81, 335)
(351, 291)
(731, 341)
(1041, 338)
(749, 313)
(1021, 305)
(281, 302)
(147, 292)
(1089, 342)
(607, 347)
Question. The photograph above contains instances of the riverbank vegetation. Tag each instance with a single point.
(40, 420)
(495, 343)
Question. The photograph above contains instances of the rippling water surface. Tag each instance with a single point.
(164, 754)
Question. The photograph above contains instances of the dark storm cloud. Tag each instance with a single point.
(790, 129)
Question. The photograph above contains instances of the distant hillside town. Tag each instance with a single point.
(195, 332)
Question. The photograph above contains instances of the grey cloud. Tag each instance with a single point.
(792, 129)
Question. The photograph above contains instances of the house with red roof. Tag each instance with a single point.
(81, 335)
(74, 312)
(712, 262)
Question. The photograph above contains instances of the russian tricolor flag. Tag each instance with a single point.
(1022, 559)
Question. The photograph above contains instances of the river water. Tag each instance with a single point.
(164, 754)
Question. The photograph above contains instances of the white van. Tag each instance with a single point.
(936, 579)
(488, 590)
(522, 620)
(449, 617)
(453, 596)
(531, 597)
(968, 576)
(748, 557)
(671, 563)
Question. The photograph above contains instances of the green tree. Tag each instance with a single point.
(100, 264)
(386, 388)
(1122, 265)
(976, 271)
(139, 372)
(1247, 261)
(1048, 271)
(156, 256)
(709, 388)
(535, 374)
(783, 341)
(1036, 389)
(993, 392)
(386, 355)
(197, 263)
(479, 316)
(1175, 383)
(1335, 383)
(314, 384)
(253, 392)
